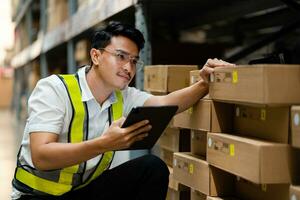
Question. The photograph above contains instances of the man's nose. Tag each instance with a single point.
(129, 66)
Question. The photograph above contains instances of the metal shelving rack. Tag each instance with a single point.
(217, 18)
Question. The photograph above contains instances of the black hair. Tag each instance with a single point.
(103, 37)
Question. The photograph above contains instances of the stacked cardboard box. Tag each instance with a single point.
(177, 191)
(294, 192)
(6, 87)
(58, 12)
(192, 169)
(162, 80)
(82, 56)
(257, 150)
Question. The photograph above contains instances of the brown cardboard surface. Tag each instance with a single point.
(194, 76)
(294, 192)
(174, 139)
(254, 160)
(257, 84)
(167, 156)
(174, 184)
(6, 92)
(249, 190)
(198, 142)
(269, 123)
(177, 195)
(167, 78)
(196, 195)
(295, 126)
(193, 171)
(221, 198)
(206, 115)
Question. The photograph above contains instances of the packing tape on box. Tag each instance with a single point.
(293, 197)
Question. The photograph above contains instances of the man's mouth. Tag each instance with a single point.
(125, 76)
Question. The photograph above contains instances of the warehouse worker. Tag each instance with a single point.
(74, 127)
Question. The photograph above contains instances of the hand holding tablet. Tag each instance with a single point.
(158, 116)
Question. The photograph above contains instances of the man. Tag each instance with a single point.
(74, 126)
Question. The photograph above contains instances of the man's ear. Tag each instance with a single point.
(94, 56)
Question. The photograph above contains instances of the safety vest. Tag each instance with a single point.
(58, 182)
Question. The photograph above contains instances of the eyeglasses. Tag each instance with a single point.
(123, 58)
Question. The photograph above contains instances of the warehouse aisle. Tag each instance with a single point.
(11, 135)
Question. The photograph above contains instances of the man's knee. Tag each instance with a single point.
(157, 165)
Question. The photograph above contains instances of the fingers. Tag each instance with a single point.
(217, 63)
(120, 121)
(136, 126)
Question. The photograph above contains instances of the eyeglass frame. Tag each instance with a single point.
(127, 57)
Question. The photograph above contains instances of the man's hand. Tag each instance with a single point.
(121, 138)
(209, 66)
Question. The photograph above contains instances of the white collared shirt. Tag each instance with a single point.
(49, 110)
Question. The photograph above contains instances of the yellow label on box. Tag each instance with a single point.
(190, 110)
(264, 187)
(191, 168)
(231, 149)
(234, 76)
(263, 114)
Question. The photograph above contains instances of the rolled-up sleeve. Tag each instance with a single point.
(133, 98)
(47, 106)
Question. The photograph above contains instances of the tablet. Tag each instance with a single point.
(159, 118)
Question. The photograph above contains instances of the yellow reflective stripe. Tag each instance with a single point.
(118, 106)
(76, 134)
(75, 96)
(65, 176)
(107, 156)
(41, 184)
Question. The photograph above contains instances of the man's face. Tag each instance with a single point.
(117, 65)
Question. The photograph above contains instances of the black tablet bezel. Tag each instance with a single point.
(159, 118)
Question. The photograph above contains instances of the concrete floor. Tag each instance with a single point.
(10, 137)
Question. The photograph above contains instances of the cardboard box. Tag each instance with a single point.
(196, 195)
(221, 198)
(206, 115)
(198, 142)
(193, 171)
(167, 78)
(82, 51)
(58, 12)
(194, 76)
(257, 84)
(269, 123)
(177, 191)
(167, 156)
(254, 160)
(178, 195)
(294, 192)
(6, 91)
(248, 190)
(174, 139)
(295, 126)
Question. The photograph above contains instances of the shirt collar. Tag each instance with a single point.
(85, 89)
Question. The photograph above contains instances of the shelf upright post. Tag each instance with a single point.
(70, 44)
(143, 23)
(43, 27)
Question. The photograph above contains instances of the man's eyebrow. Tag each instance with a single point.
(120, 50)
